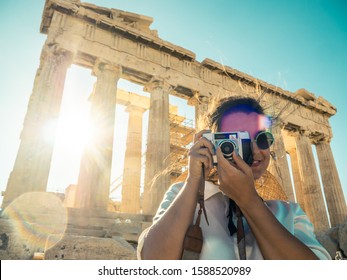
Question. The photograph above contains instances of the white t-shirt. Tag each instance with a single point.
(217, 242)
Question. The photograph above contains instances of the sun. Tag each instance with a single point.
(72, 128)
(70, 132)
(73, 132)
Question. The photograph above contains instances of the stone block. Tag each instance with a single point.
(334, 239)
(73, 247)
(329, 240)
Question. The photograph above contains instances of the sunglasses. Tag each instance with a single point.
(264, 139)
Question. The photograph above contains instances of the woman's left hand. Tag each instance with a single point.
(236, 179)
(237, 182)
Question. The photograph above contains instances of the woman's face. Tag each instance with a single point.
(252, 123)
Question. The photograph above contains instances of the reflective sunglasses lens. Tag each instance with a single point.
(264, 140)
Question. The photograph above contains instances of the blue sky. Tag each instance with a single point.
(290, 44)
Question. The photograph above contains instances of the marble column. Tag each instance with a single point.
(132, 162)
(95, 171)
(201, 104)
(313, 197)
(296, 177)
(32, 165)
(279, 165)
(331, 184)
(158, 147)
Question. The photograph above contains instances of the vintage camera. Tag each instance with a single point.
(231, 141)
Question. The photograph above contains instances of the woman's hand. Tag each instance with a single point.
(236, 179)
(173, 224)
(200, 154)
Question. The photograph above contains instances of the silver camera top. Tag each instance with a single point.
(229, 142)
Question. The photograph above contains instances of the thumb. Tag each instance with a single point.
(220, 158)
(241, 163)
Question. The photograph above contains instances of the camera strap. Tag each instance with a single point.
(241, 244)
(241, 241)
(193, 240)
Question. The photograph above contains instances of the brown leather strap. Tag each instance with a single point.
(192, 244)
(193, 240)
(201, 199)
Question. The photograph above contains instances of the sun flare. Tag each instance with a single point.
(73, 132)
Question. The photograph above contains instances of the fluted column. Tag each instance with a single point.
(158, 147)
(331, 184)
(201, 104)
(296, 177)
(32, 165)
(132, 162)
(95, 171)
(279, 164)
(313, 197)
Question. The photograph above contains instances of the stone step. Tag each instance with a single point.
(92, 213)
(83, 220)
(86, 232)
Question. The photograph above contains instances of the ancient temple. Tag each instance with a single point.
(115, 45)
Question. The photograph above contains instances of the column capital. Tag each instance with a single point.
(320, 138)
(297, 133)
(198, 99)
(156, 84)
(56, 55)
(102, 66)
(314, 136)
(133, 108)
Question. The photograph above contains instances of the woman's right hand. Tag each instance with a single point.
(200, 154)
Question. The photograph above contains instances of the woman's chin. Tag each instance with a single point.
(257, 174)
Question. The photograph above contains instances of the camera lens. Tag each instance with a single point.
(227, 148)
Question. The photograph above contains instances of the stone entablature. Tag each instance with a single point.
(124, 39)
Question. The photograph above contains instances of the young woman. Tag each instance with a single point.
(272, 229)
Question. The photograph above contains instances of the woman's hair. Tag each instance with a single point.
(232, 104)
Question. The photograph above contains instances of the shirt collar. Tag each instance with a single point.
(210, 189)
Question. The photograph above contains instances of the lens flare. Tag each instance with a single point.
(264, 122)
(35, 217)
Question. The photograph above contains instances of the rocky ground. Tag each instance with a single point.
(335, 240)
(117, 241)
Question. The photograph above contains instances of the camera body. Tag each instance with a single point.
(231, 141)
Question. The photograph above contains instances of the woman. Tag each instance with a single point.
(272, 229)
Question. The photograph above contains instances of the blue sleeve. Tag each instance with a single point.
(304, 231)
(169, 197)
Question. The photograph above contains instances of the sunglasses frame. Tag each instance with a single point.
(268, 133)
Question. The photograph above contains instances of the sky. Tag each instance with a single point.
(290, 44)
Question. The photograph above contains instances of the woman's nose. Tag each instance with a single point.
(255, 148)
